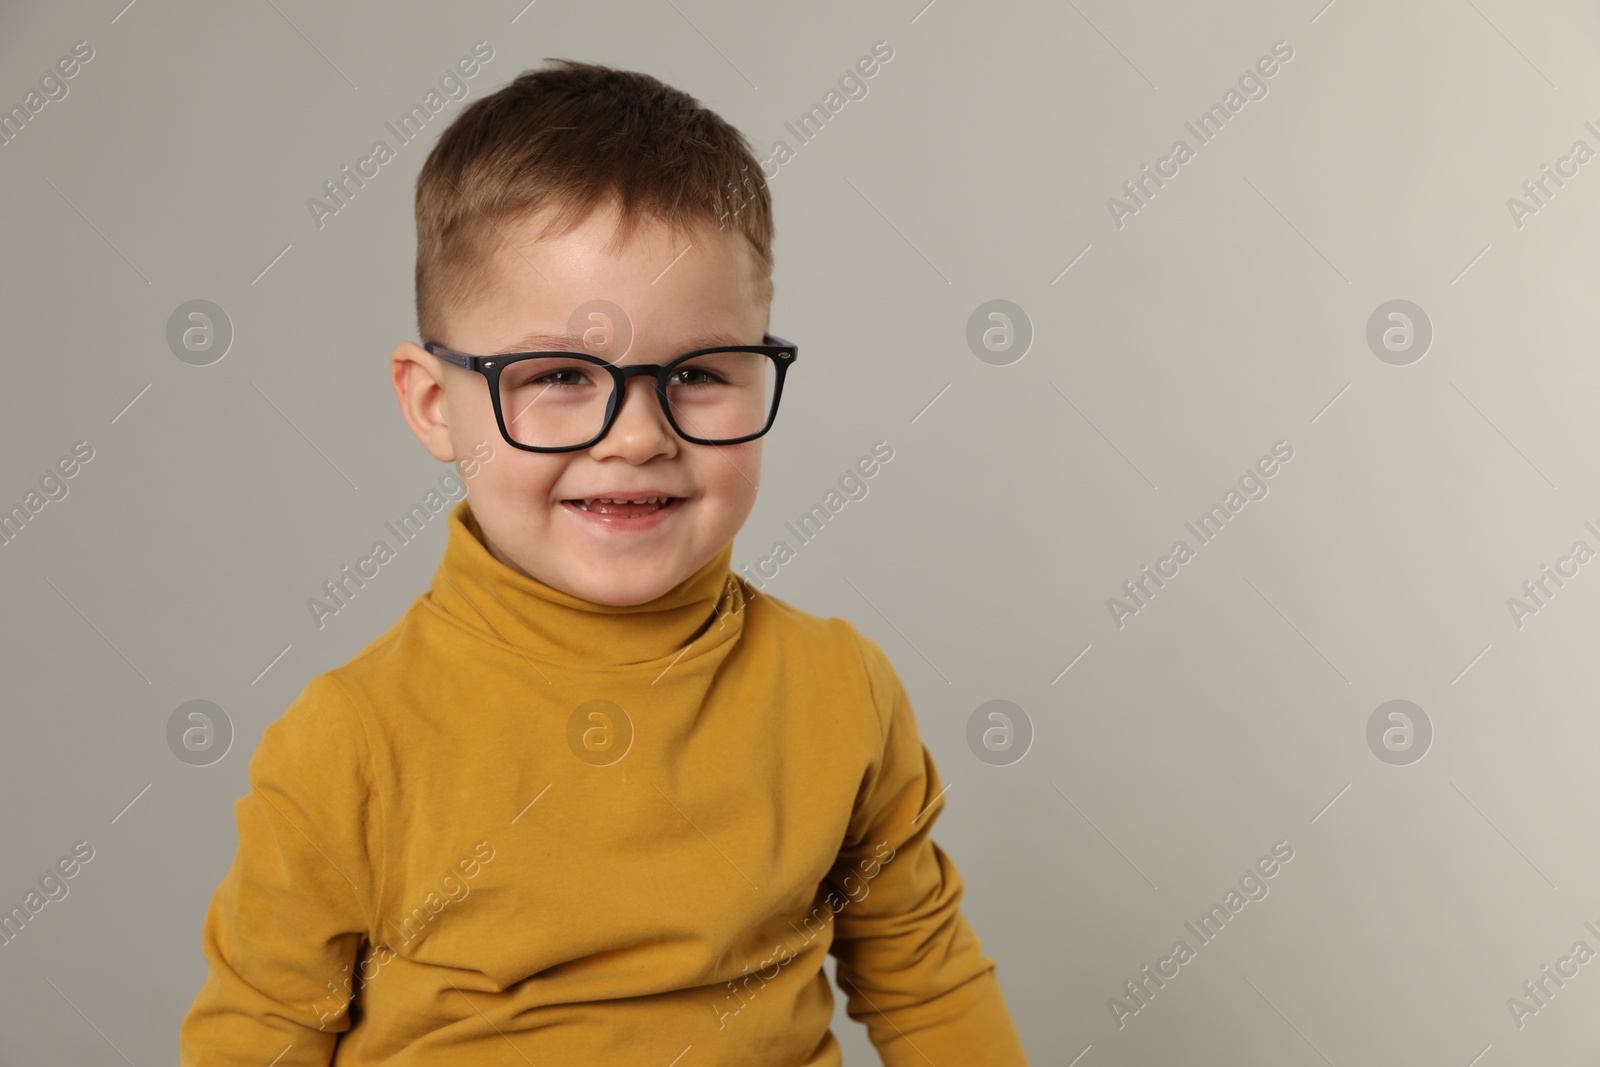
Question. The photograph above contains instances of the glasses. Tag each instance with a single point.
(566, 401)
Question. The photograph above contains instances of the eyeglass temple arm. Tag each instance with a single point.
(449, 355)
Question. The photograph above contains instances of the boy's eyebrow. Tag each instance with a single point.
(535, 342)
(551, 342)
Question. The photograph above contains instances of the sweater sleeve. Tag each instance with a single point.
(911, 967)
(286, 925)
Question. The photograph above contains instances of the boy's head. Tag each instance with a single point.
(584, 208)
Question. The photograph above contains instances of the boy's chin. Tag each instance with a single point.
(626, 586)
(621, 579)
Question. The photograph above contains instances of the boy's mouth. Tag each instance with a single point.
(625, 506)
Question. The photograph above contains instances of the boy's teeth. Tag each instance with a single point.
(654, 502)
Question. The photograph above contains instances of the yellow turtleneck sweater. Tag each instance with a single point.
(522, 828)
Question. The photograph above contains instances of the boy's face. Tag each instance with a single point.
(523, 500)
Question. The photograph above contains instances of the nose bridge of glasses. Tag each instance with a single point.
(637, 370)
(625, 377)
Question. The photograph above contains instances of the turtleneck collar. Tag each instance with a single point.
(507, 607)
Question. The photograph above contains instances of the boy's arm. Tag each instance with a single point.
(911, 968)
(284, 928)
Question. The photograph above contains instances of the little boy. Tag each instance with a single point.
(593, 799)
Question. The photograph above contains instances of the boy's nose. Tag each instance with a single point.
(640, 422)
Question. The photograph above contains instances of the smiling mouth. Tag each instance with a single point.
(601, 506)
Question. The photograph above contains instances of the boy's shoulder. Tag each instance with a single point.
(771, 613)
(817, 638)
(411, 647)
(343, 693)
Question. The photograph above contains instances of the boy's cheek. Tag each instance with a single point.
(482, 452)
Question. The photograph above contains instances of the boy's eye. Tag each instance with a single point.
(548, 373)
(694, 376)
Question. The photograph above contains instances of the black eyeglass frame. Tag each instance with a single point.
(782, 353)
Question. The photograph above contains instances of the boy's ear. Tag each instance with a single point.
(418, 383)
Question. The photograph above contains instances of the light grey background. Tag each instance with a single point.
(1229, 313)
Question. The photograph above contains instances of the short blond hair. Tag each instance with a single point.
(575, 136)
